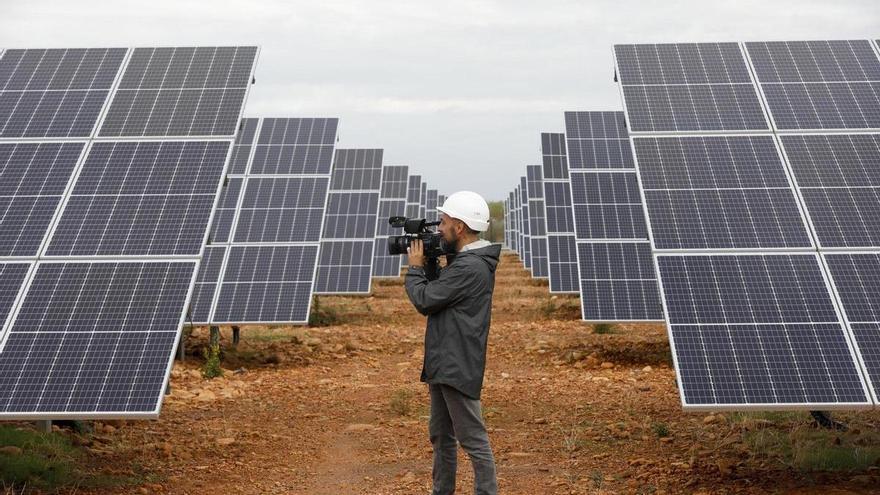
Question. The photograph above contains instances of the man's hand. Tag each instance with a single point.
(416, 252)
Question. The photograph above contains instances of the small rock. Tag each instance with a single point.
(647, 369)
(607, 365)
(359, 427)
(505, 375)
(540, 421)
(225, 442)
(206, 396)
(708, 420)
(409, 477)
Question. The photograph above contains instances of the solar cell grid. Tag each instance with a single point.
(55, 92)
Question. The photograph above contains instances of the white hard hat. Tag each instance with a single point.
(469, 207)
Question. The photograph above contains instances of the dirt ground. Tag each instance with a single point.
(340, 409)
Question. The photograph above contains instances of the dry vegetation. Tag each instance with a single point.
(339, 409)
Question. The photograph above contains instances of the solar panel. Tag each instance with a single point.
(758, 330)
(617, 279)
(688, 87)
(346, 258)
(431, 206)
(524, 223)
(392, 203)
(58, 93)
(181, 91)
(224, 215)
(748, 328)
(718, 192)
(269, 270)
(413, 199)
(537, 221)
(423, 205)
(241, 151)
(141, 198)
(511, 215)
(856, 278)
(33, 179)
(267, 284)
(561, 251)
(839, 181)
(819, 84)
(95, 327)
(206, 284)
(94, 338)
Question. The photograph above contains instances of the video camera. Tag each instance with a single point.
(419, 228)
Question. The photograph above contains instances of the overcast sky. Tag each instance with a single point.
(458, 90)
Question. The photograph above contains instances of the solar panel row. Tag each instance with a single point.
(105, 233)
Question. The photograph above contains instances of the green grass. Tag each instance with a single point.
(603, 328)
(323, 316)
(792, 440)
(49, 462)
(400, 402)
(660, 429)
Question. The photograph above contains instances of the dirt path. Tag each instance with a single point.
(340, 410)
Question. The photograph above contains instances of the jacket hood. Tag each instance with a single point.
(488, 254)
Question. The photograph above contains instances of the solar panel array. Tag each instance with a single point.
(431, 213)
(104, 230)
(392, 203)
(537, 222)
(758, 318)
(562, 252)
(265, 265)
(345, 263)
(617, 279)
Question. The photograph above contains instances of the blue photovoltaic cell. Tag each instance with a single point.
(555, 164)
(392, 202)
(48, 93)
(688, 87)
(206, 285)
(282, 209)
(346, 257)
(141, 198)
(718, 192)
(431, 206)
(351, 215)
(617, 279)
(12, 277)
(241, 151)
(558, 203)
(607, 205)
(359, 169)
(538, 256)
(94, 338)
(181, 91)
(757, 330)
(33, 177)
(597, 140)
(819, 84)
(618, 282)
(839, 180)
(295, 146)
(224, 215)
(266, 284)
(344, 267)
(424, 200)
(856, 277)
(562, 263)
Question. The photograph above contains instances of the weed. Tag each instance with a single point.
(400, 402)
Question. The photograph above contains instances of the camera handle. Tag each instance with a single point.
(432, 268)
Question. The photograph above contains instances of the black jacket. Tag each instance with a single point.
(459, 307)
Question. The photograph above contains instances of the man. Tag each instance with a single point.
(458, 305)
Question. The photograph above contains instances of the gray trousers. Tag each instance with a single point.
(457, 417)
